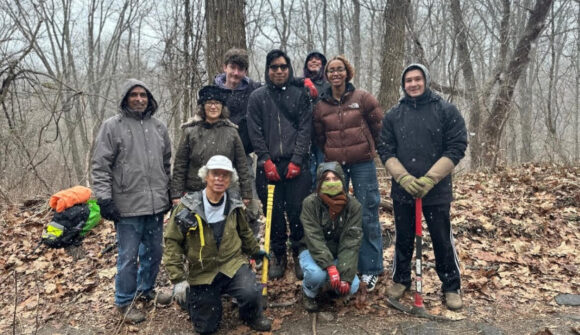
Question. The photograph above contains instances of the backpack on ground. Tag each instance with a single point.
(70, 226)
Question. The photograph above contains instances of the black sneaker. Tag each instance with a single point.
(277, 266)
(261, 324)
(371, 281)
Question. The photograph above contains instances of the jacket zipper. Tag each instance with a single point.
(148, 169)
(280, 130)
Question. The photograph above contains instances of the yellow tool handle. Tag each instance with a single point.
(269, 206)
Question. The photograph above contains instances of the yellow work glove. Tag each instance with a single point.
(408, 182)
(423, 185)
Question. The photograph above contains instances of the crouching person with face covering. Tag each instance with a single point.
(209, 229)
(332, 222)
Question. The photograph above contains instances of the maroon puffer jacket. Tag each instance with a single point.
(348, 129)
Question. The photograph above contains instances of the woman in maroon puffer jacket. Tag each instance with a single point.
(347, 123)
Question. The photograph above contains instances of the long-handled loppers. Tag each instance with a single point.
(418, 309)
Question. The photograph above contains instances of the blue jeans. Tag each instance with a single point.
(315, 277)
(139, 242)
(366, 191)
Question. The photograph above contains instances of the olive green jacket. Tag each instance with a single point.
(206, 261)
(199, 142)
(329, 240)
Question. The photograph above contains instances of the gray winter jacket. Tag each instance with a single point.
(131, 159)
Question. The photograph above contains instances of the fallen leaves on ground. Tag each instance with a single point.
(516, 233)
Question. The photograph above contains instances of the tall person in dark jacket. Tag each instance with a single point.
(423, 138)
(131, 163)
(279, 123)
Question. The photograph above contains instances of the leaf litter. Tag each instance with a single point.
(516, 232)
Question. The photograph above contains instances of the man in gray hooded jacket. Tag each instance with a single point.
(131, 169)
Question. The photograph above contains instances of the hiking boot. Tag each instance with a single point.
(396, 291)
(277, 266)
(159, 298)
(131, 315)
(261, 324)
(309, 304)
(453, 300)
(371, 281)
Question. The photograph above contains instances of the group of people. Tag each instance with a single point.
(313, 137)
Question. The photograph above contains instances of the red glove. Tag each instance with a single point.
(310, 85)
(334, 277)
(293, 171)
(344, 288)
(271, 171)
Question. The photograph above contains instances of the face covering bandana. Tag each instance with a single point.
(331, 188)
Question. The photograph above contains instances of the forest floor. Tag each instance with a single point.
(516, 231)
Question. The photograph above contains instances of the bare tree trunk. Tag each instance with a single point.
(324, 26)
(340, 28)
(494, 125)
(308, 18)
(526, 106)
(226, 28)
(577, 100)
(356, 45)
(393, 51)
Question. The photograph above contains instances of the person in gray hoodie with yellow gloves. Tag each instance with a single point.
(422, 139)
(210, 233)
(130, 173)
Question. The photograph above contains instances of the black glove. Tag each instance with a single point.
(261, 254)
(108, 209)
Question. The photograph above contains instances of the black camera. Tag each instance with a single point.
(186, 220)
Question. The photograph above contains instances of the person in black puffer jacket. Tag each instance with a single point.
(280, 125)
(422, 139)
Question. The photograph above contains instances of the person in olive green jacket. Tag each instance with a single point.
(332, 222)
(209, 228)
(208, 133)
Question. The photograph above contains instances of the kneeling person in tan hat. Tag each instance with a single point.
(210, 229)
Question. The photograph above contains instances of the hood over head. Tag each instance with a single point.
(329, 166)
(320, 74)
(420, 67)
(274, 54)
(126, 88)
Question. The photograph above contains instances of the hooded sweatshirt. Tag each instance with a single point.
(280, 119)
(317, 78)
(131, 159)
(329, 240)
(418, 131)
(237, 103)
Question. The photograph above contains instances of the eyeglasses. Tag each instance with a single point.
(340, 69)
(282, 67)
(213, 103)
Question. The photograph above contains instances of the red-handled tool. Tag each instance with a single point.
(418, 309)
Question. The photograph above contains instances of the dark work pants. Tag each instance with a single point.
(439, 225)
(288, 198)
(205, 304)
